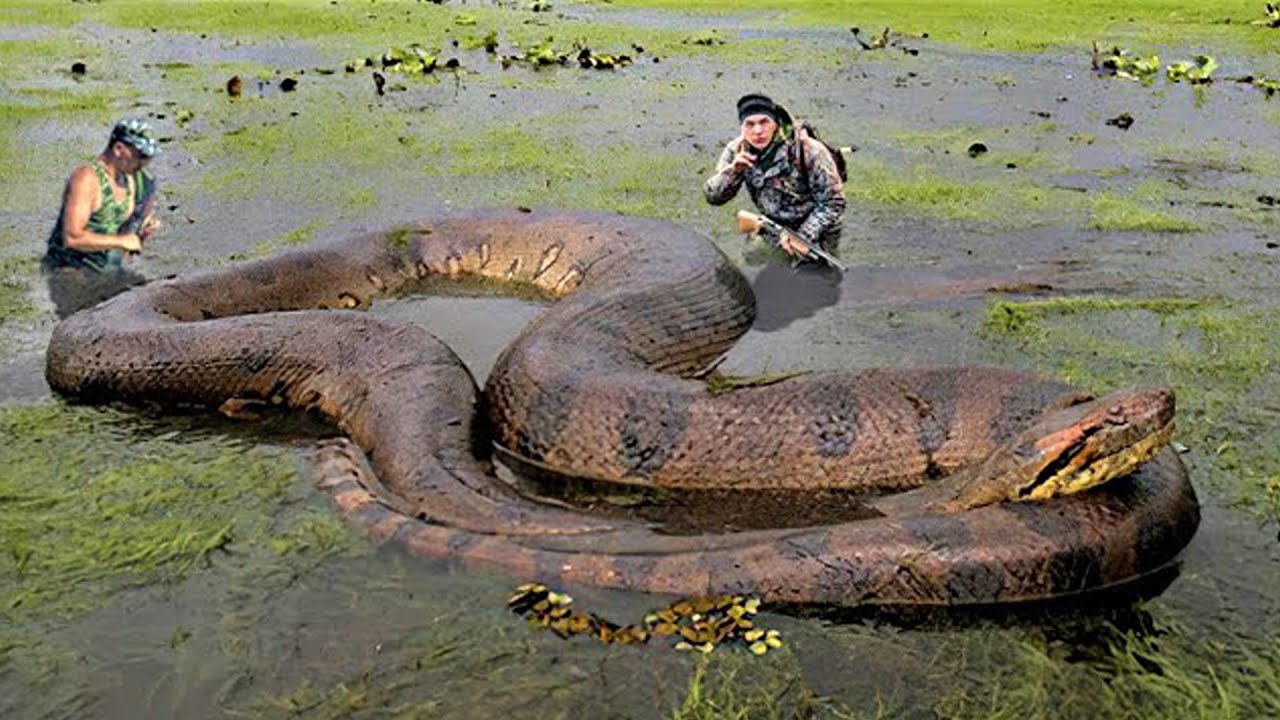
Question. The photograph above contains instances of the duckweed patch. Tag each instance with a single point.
(1218, 357)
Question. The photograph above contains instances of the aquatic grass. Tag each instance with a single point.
(922, 190)
(99, 509)
(294, 238)
(16, 273)
(42, 61)
(732, 686)
(339, 26)
(1116, 213)
(448, 665)
(1017, 25)
(1025, 318)
(540, 168)
(263, 148)
(957, 140)
(1218, 357)
(1127, 673)
(1208, 156)
(27, 164)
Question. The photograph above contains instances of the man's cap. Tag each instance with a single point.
(136, 133)
(756, 104)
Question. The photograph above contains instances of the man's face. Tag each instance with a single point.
(759, 130)
(131, 158)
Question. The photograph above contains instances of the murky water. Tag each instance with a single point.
(367, 632)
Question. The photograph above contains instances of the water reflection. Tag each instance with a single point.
(785, 294)
(74, 289)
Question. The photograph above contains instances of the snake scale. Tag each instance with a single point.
(601, 387)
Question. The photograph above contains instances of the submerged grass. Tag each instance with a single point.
(1218, 357)
(99, 508)
(1124, 674)
(731, 686)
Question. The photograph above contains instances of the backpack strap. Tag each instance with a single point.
(804, 131)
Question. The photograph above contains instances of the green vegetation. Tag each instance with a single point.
(547, 167)
(360, 28)
(1116, 213)
(294, 238)
(29, 109)
(1020, 25)
(14, 275)
(920, 189)
(100, 508)
(1219, 358)
(1128, 674)
(734, 687)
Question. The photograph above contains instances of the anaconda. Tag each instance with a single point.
(601, 387)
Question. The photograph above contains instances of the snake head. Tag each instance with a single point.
(1084, 445)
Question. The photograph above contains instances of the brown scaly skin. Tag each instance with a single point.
(597, 388)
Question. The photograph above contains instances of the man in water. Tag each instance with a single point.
(792, 178)
(106, 213)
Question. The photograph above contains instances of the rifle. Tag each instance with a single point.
(750, 222)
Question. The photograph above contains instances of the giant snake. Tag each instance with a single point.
(1006, 486)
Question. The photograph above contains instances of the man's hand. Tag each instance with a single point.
(149, 226)
(793, 246)
(130, 243)
(743, 159)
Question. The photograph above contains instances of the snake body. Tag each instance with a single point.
(601, 387)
